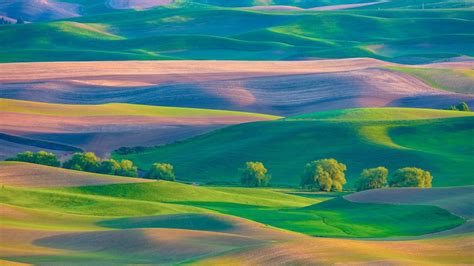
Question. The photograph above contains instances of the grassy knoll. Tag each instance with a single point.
(315, 216)
(71, 203)
(114, 109)
(210, 32)
(341, 218)
(360, 138)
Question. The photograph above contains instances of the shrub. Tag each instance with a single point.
(254, 174)
(163, 171)
(324, 174)
(372, 178)
(41, 157)
(411, 177)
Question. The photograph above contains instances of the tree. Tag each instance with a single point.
(46, 158)
(463, 107)
(254, 174)
(20, 21)
(88, 162)
(109, 167)
(127, 169)
(460, 107)
(324, 174)
(41, 157)
(162, 171)
(372, 178)
(411, 177)
(26, 156)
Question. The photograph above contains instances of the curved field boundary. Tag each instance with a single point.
(39, 143)
(457, 200)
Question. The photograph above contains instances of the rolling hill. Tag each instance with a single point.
(115, 222)
(210, 32)
(436, 140)
(102, 128)
(278, 88)
(208, 85)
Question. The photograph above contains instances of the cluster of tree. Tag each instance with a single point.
(460, 107)
(89, 162)
(329, 175)
(41, 157)
(405, 177)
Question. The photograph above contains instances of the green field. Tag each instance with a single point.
(214, 32)
(436, 140)
(322, 215)
(169, 222)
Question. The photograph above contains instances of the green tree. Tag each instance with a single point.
(463, 107)
(127, 169)
(254, 174)
(87, 161)
(109, 167)
(372, 178)
(46, 158)
(41, 157)
(162, 171)
(324, 174)
(26, 156)
(411, 177)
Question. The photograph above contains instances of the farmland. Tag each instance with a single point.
(251, 132)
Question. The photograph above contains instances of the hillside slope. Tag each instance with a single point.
(436, 140)
(103, 128)
(206, 32)
(279, 88)
(170, 223)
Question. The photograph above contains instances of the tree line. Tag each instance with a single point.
(329, 175)
(89, 162)
(323, 175)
